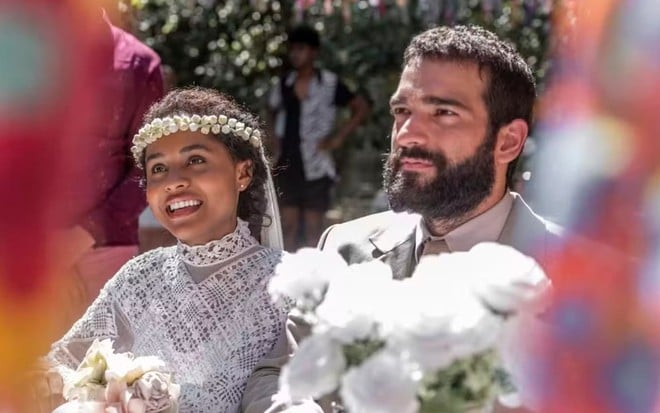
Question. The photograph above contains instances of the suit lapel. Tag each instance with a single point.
(395, 243)
(524, 230)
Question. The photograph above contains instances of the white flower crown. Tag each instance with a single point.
(206, 124)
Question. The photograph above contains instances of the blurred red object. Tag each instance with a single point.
(52, 54)
(602, 353)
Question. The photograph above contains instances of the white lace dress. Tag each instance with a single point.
(204, 310)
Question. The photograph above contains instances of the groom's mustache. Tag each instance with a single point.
(438, 159)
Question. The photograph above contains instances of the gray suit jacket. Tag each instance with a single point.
(390, 237)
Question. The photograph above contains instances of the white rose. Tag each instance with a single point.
(519, 341)
(87, 392)
(382, 384)
(506, 279)
(304, 275)
(354, 302)
(82, 407)
(90, 371)
(118, 366)
(315, 368)
(157, 391)
(124, 367)
(438, 323)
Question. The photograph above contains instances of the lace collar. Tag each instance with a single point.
(217, 251)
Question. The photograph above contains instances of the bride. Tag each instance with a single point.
(202, 305)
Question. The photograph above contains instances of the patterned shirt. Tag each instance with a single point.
(301, 125)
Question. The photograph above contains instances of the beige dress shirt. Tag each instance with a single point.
(485, 227)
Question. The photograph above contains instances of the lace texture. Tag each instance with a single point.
(204, 310)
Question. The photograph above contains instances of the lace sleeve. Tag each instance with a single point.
(103, 319)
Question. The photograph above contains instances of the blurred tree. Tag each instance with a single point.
(233, 46)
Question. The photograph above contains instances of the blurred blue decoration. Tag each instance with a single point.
(631, 379)
(574, 320)
(24, 73)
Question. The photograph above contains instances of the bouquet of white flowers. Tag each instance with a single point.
(423, 344)
(112, 382)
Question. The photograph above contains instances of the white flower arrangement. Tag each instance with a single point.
(426, 343)
(120, 383)
(206, 124)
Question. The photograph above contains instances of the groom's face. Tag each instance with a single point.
(441, 164)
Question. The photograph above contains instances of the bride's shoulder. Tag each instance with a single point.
(271, 256)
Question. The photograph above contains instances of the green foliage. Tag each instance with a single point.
(227, 45)
(466, 383)
(357, 352)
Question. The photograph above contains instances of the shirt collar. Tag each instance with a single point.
(218, 251)
(291, 77)
(483, 228)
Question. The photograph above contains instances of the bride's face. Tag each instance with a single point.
(193, 184)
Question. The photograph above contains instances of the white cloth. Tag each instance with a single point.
(204, 310)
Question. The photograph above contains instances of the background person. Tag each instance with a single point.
(303, 111)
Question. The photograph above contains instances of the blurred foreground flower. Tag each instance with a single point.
(410, 345)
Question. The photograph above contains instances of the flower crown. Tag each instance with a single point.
(206, 124)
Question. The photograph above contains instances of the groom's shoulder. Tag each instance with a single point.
(361, 229)
(367, 223)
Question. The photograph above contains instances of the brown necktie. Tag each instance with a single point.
(435, 246)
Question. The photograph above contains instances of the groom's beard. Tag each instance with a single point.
(454, 191)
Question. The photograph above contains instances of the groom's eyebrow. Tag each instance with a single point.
(443, 101)
(429, 100)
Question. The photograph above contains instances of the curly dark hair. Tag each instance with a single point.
(510, 86)
(304, 34)
(252, 201)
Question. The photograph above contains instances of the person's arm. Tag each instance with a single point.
(359, 109)
(127, 199)
(262, 393)
(274, 106)
(272, 141)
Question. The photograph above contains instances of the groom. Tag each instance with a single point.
(462, 112)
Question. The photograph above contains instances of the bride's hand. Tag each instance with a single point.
(47, 388)
(136, 406)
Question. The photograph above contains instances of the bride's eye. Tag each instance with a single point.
(195, 160)
(158, 168)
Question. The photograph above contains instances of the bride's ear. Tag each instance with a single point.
(244, 173)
